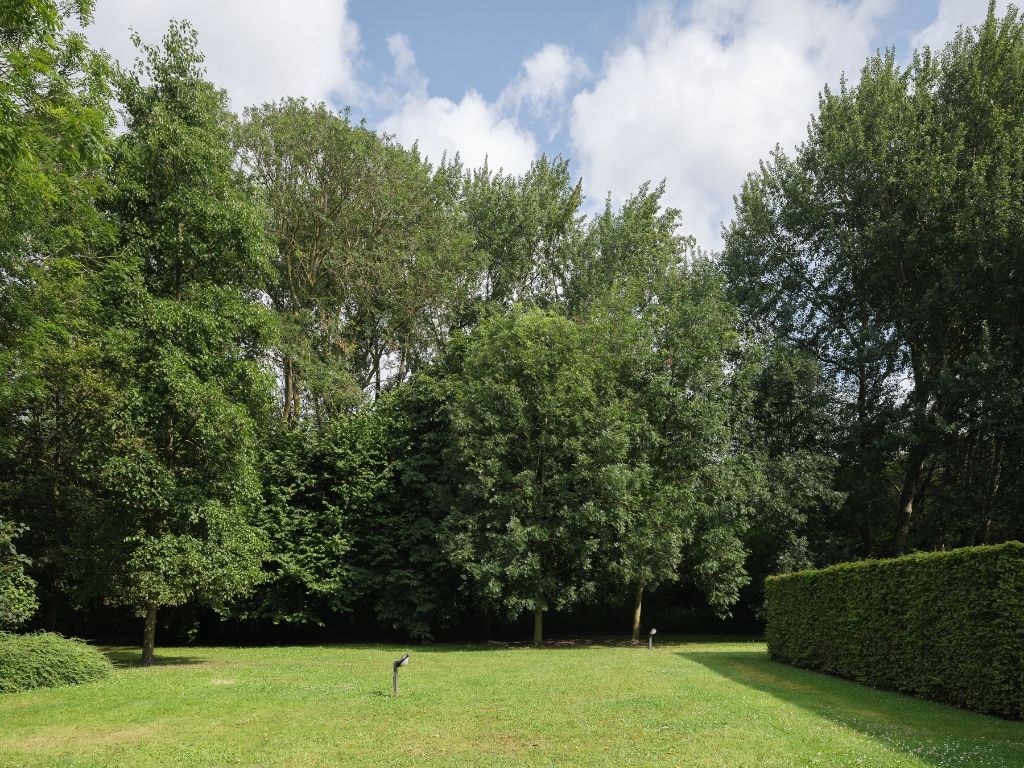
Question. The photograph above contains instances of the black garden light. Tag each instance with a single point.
(650, 638)
(402, 662)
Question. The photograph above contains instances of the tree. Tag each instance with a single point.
(372, 257)
(545, 465)
(401, 562)
(184, 343)
(665, 337)
(876, 249)
(55, 123)
(55, 134)
(527, 229)
(788, 427)
(703, 479)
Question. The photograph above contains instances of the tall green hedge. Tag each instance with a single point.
(947, 626)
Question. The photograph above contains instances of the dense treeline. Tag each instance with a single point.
(279, 367)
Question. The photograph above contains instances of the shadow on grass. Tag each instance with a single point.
(128, 656)
(936, 734)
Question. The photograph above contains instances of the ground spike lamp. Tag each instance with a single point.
(650, 638)
(402, 662)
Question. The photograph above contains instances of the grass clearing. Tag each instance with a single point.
(690, 704)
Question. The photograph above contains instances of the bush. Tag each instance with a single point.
(17, 589)
(947, 626)
(44, 660)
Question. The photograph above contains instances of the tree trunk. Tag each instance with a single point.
(538, 625)
(993, 489)
(921, 422)
(866, 535)
(486, 622)
(149, 635)
(637, 600)
(289, 384)
(905, 511)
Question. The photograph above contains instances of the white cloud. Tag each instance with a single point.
(472, 127)
(951, 15)
(700, 98)
(258, 50)
(401, 53)
(546, 77)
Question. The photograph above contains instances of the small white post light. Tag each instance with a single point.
(650, 638)
(402, 662)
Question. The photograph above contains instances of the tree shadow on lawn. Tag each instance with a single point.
(123, 657)
(937, 734)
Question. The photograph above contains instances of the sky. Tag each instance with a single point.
(695, 93)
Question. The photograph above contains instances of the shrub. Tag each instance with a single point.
(948, 626)
(17, 589)
(44, 659)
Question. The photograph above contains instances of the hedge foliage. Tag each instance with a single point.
(947, 626)
(47, 660)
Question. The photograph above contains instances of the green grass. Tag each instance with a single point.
(687, 704)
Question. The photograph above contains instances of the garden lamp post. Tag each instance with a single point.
(402, 662)
(650, 638)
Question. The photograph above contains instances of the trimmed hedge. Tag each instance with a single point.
(46, 660)
(947, 626)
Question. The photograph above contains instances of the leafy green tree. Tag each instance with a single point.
(665, 337)
(55, 134)
(690, 397)
(55, 124)
(545, 464)
(873, 248)
(527, 229)
(184, 340)
(57, 403)
(372, 256)
(788, 428)
(401, 562)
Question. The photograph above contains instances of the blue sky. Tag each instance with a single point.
(694, 92)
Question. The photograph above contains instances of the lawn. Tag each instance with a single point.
(686, 703)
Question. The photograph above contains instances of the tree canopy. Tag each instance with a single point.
(276, 372)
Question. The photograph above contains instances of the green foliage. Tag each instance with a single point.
(55, 135)
(946, 625)
(545, 463)
(55, 121)
(527, 228)
(401, 563)
(17, 590)
(485, 401)
(47, 660)
(888, 248)
(664, 338)
(788, 430)
(320, 485)
(183, 335)
(373, 260)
